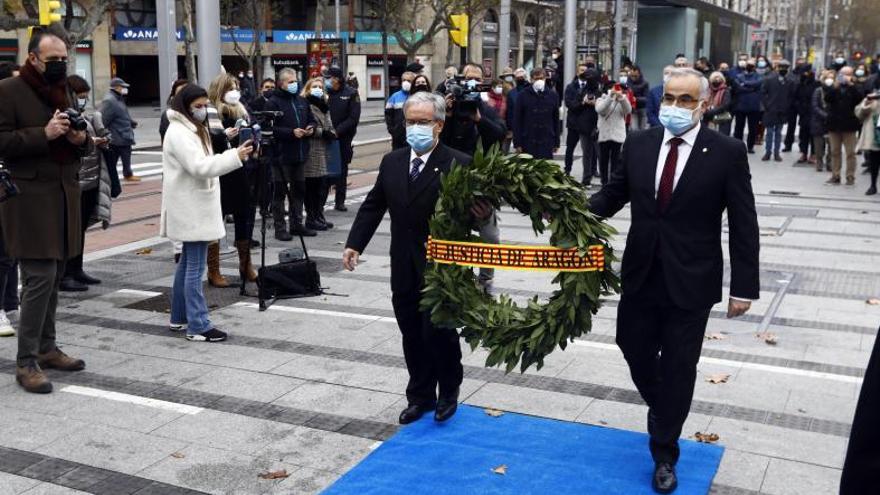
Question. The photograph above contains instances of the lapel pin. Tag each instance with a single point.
(436, 170)
(705, 150)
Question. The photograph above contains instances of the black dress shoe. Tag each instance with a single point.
(445, 410)
(664, 480)
(413, 412)
(341, 208)
(84, 278)
(71, 285)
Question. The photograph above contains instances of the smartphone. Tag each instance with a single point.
(245, 134)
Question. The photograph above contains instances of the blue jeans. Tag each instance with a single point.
(773, 139)
(188, 305)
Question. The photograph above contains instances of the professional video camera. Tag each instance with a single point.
(264, 127)
(466, 95)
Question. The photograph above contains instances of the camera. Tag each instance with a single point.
(264, 127)
(77, 122)
(466, 95)
(8, 188)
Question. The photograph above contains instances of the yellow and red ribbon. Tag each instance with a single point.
(515, 257)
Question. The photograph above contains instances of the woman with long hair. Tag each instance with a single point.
(718, 115)
(191, 211)
(421, 83)
(235, 194)
(317, 183)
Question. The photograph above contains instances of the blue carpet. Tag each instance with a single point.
(543, 456)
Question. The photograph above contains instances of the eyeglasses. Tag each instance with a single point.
(685, 100)
(410, 122)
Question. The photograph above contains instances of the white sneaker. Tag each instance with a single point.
(6, 329)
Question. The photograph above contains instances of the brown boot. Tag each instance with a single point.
(32, 379)
(60, 361)
(245, 268)
(214, 276)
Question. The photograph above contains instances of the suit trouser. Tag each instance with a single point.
(789, 131)
(432, 354)
(8, 279)
(609, 157)
(40, 280)
(848, 141)
(661, 344)
(290, 183)
(752, 118)
(819, 150)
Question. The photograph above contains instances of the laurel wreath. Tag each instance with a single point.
(539, 189)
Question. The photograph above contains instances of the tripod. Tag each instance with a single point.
(263, 189)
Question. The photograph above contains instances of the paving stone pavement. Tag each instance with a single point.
(312, 386)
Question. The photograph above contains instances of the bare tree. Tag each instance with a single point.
(188, 41)
(251, 15)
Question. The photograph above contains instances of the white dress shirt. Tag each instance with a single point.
(424, 157)
(684, 152)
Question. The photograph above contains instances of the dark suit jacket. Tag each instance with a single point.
(686, 239)
(410, 205)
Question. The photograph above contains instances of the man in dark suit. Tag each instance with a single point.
(407, 187)
(679, 179)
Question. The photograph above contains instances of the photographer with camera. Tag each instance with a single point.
(582, 120)
(291, 151)
(469, 119)
(94, 181)
(42, 150)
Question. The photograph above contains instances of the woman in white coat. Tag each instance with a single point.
(191, 206)
(612, 108)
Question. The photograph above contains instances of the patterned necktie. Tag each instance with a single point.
(414, 171)
(667, 180)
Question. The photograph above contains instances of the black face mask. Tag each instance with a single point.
(716, 84)
(783, 72)
(583, 76)
(268, 92)
(420, 87)
(750, 68)
(591, 65)
(520, 82)
(56, 71)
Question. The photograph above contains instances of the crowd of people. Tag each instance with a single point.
(830, 113)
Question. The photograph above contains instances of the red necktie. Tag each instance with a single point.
(667, 180)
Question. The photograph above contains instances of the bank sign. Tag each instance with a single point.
(300, 37)
(126, 33)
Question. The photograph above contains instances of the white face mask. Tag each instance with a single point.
(539, 85)
(232, 97)
(123, 91)
(623, 79)
(498, 90)
(484, 96)
(665, 78)
(406, 86)
(829, 82)
(199, 114)
(82, 102)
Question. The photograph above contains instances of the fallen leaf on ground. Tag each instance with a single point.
(143, 251)
(177, 455)
(274, 475)
(502, 469)
(716, 336)
(706, 437)
(493, 412)
(767, 337)
(718, 378)
(873, 301)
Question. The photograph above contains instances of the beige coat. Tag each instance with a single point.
(190, 186)
(865, 113)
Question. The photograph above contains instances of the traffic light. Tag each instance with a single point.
(49, 11)
(459, 35)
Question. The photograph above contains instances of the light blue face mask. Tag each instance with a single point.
(317, 92)
(420, 137)
(676, 119)
(293, 88)
(328, 84)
